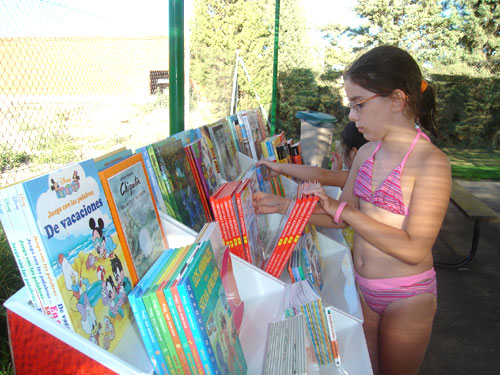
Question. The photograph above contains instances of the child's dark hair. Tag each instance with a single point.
(351, 137)
(387, 68)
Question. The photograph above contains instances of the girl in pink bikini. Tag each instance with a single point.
(395, 198)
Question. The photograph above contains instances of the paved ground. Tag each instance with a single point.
(466, 334)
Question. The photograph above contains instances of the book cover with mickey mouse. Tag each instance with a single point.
(76, 241)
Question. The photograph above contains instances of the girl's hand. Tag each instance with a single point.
(274, 168)
(337, 162)
(265, 203)
(328, 204)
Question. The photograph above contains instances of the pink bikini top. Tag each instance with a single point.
(388, 195)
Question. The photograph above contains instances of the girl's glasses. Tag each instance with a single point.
(357, 106)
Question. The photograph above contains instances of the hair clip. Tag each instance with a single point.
(423, 86)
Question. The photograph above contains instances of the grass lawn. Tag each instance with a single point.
(474, 165)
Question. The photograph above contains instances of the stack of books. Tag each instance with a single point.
(233, 209)
(302, 298)
(183, 315)
(305, 260)
(290, 229)
(289, 349)
(65, 242)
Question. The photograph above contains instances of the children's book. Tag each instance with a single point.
(13, 223)
(249, 226)
(143, 323)
(72, 228)
(153, 179)
(130, 197)
(111, 158)
(225, 150)
(291, 228)
(199, 184)
(175, 164)
(212, 313)
(205, 166)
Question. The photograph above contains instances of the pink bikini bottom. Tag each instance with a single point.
(379, 293)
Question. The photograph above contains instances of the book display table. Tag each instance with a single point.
(41, 346)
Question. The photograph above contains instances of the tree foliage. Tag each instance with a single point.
(222, 27)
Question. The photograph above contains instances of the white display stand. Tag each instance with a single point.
(263, 296)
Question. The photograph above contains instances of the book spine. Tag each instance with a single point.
(161, 182)
(199, 185)
(180, 331)
(303, 216)
(143, 331)
(153, 180)
(251, 140)
(200, 338)
(34, 245)
(173, 332)
(158, 357)
(248, 255)
(232, 127)
(174, 358)
(155, 324)
(271, 266)
(9, 216)
(187, 329)
(236, 226)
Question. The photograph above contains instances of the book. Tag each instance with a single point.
(139, 310)
(130, 198)
(199, 185)
(72, 230)
(204, 286)
(12, 219)
(205, 166)
(181, 323)
(153, 179)
(225, 150)
(111, 158)
(161, 179)
(290, 230)
(189, 308)
(301, 297)
(175, 165)
(254, 251)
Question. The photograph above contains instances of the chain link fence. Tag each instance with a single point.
(70, 98)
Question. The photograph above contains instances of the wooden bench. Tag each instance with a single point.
(473, 209)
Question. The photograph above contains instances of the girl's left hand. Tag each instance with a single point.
(337, 162)
(328, 204)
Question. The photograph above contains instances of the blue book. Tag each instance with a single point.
(142, 319)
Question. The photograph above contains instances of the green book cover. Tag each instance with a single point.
(161, 182)
(205, 285)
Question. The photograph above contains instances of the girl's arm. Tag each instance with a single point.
(306, 173)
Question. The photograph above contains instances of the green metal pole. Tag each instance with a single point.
(176, 65)
(275, 67)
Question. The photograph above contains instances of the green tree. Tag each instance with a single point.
(222, 27)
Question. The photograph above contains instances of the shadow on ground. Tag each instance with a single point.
(466, 332)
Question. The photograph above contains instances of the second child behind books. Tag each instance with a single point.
(351, 140)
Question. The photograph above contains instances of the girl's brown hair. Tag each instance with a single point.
(387, 68)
